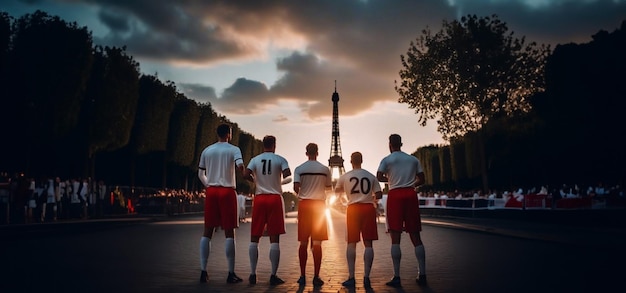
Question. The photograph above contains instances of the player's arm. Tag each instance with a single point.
(241, 168)
(286, 173)
(286, 178)
(247, 174)
(296, 187)
(419, 179)
(202, 177)
(382, 177)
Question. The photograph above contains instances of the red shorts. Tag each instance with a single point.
(361, 221)
(312, 220)
(403, 210)
(268, 213)
(220, 208)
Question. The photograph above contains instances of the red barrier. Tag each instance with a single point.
(574, 203)
(513, 203)
(535, 200)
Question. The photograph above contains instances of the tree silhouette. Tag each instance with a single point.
(467, 73)
(50, 64)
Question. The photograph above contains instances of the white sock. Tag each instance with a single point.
(396, 255)
(351, 257)
(253, 251)
(205, 250)
(274, 256)
(420, 254)
(229, 248)
(368, 260)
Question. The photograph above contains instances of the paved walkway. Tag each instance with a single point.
(334, 268)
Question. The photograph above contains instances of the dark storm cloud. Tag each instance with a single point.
(551, 22)
(244, 97)
(198, 92)
(114, 21)
(357, 43)
(168, 31)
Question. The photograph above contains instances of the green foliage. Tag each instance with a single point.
(429, 158)
(112, 99)
(182, 136)
(206, 132)
(458, 170)
(469, 72)
(82, 101)
(50, 64)
(445, 164)
(155, 106)
(5, 38)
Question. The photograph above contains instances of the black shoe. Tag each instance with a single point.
(317, 282)
(274, 280)
(302, 281)
(232, 278)
(204, 277)
(252, 279)
(421, 280)
(395, 282)
(350, 283)
(367, 283)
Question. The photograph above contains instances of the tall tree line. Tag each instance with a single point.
(76, 110)
(572, 133)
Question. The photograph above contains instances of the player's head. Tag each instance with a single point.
(223, 131)
(356, 157)
(311, 149)
(269, 142)
(395, 141)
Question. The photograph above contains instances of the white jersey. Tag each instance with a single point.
(401, 169)
(220, 161)
(267, 169)
(51, 196)
(75, 187)
(314, 178)
(359, 185)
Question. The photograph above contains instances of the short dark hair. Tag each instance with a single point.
(269, 141)
(223, 130)
(395, 140)
(311, 149)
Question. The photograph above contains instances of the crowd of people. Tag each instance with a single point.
(597, 193)
(30, 200)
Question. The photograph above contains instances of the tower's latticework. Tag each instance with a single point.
(336, 160)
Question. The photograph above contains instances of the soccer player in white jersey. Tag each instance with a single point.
(311, 181)
(217, 167)
(404, 173)
(361, 189)
(268, 211)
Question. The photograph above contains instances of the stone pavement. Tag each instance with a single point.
(333, 270)
(334, 267)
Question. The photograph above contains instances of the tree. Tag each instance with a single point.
(108, 113)
(50, 61)
(181, 146)
(468, 73)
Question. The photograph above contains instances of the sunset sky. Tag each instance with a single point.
(271, 66)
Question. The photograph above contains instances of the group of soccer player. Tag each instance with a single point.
(312, 180)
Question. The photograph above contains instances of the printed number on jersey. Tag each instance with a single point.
(267, 167)
(360, 185)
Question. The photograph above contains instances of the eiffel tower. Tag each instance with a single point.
(335, 163)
